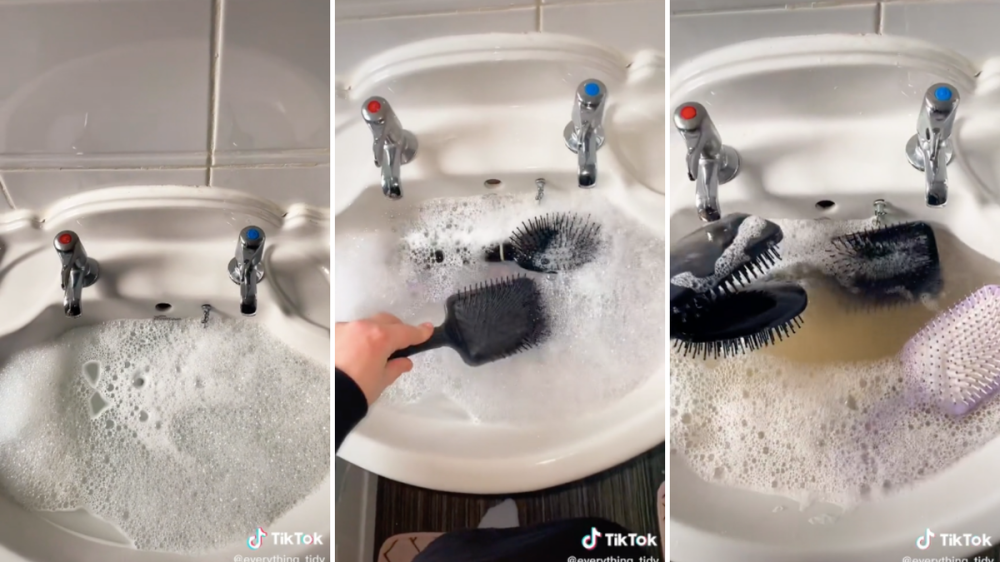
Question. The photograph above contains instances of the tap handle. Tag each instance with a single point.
(942, 98)
(252, 237)
(67, 242)
(589, 102)
(699, 133)
(382, 121)
(250, 244)
(938, 112)
(69, 248)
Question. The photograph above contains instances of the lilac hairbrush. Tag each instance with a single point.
(955, 359)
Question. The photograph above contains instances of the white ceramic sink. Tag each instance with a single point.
(827, 118)
(494, 107)
(167, 246)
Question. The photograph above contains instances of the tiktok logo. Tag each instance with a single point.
(257, 539)
(924, 542)
(590, 541)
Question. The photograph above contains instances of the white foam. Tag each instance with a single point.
(206, 432)
(732, 257)
(607, 316)
(842, 432)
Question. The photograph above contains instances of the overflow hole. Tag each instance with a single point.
(163, 306)
(825, 205)
(492, 183)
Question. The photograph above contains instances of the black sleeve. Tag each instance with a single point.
(349, 405)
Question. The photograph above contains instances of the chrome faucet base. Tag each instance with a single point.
(234, 272)
(572, 138)
(729, 164)
(91, 273)
(916, 155)
(409, 150)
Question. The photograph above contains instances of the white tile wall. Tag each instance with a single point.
(100, 93)
(966, 26)
(693, 34)
(367, 27)
(348, 9)
(357, 40)
(274, 93)
(284, 185)
(37, 189)
(628, 26)
(970, 27)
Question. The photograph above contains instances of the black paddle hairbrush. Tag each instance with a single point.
(550, 243)
(887, 266)
(490, 321)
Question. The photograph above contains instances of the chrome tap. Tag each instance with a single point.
(709, 162)
(245, 269)
(931, 150)
(585, 133)
(393, 146)
(78, 271)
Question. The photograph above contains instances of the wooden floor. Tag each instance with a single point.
(625, 494)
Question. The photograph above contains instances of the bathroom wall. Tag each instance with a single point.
(366, 27)
(968, 27)
(227, 93)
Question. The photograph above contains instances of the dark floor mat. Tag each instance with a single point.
(625, 494)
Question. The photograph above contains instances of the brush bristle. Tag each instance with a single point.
(954, 361)
(746, 273)
(556, 242)
(885, 267)
(498, 318)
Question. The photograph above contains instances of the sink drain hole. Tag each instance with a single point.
(492, 183)
(163, 306)
(825, 205)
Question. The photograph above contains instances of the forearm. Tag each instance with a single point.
(349, 404)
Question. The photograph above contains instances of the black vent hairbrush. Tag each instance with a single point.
(714, 309)
(739, 322)
(550, 243)
(887, 266)
(490, 321)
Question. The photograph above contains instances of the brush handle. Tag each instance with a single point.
(438, 339)
(500, 252)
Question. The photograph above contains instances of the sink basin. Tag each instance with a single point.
(488, 112)
(826, 118)
(163, 253)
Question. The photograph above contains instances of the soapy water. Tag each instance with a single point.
(825, 415)
(606, 317)
(184, 436)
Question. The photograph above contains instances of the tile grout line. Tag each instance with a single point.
(218, 11)
(880, 18)
(432, 14)
(6, 194)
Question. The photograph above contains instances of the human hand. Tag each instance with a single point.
(363, 348)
